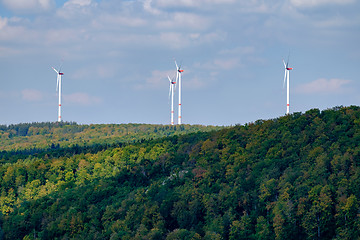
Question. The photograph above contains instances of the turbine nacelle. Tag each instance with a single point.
(171, 81)
(289, 68)
(178, 68)
(58, 72)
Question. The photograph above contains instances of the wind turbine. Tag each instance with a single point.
(287, 79)
(171, 93)
(178, 79)
(58, 88)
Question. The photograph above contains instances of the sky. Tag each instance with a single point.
(116, 56)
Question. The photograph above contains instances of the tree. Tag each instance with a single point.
(348, 219)
(317, 220)
(263, 229)
(241, 229)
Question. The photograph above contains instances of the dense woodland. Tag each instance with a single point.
(28, 136)
(294, 177)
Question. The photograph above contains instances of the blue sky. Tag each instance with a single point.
(116, 56)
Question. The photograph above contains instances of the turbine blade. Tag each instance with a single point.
(169, 91)
(284, 78)
(287, 63)
(174, 83)
(177, 67)
(61, 63)
(55, 70)
(57, 82)
(284, 63)
(170, 85)
(177, 76)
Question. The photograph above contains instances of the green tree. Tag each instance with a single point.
(348, 219)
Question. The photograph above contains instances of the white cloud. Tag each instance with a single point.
(78, 3)
(149, 8)
(31, 95)
(9, 51)
(323, 85)
(191, 3)
(80, 73)
(29, 5)
(159, 7)
(185, 21)
(106, 71)
(101, 71)
(253, 6)
(238, 51)
(335, 21)
(82, 99)
(15, 34)
(14, 29)
(181, 40)
(158, 79)
(3, 22)
(60, 36)
(77, 9)
(174, 39)
(260, 6)
(196, 83)
(316, 3)
(115, 21)
(227, 64)
(219, 64)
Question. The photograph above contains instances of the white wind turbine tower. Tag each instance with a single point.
(287, 79)
(58, 88)
(178, 79)
(171, 94)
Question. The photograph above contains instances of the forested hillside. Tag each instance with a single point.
(27, 136)
(294, 177)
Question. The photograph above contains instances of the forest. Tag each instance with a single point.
(25, 136)
(292, 177)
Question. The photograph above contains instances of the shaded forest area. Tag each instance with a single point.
(30, 136)
(58, 139)
(293, 177)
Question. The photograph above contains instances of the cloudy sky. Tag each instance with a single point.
(116, 56)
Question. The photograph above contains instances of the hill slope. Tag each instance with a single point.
(295, 177)
(65, 134)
